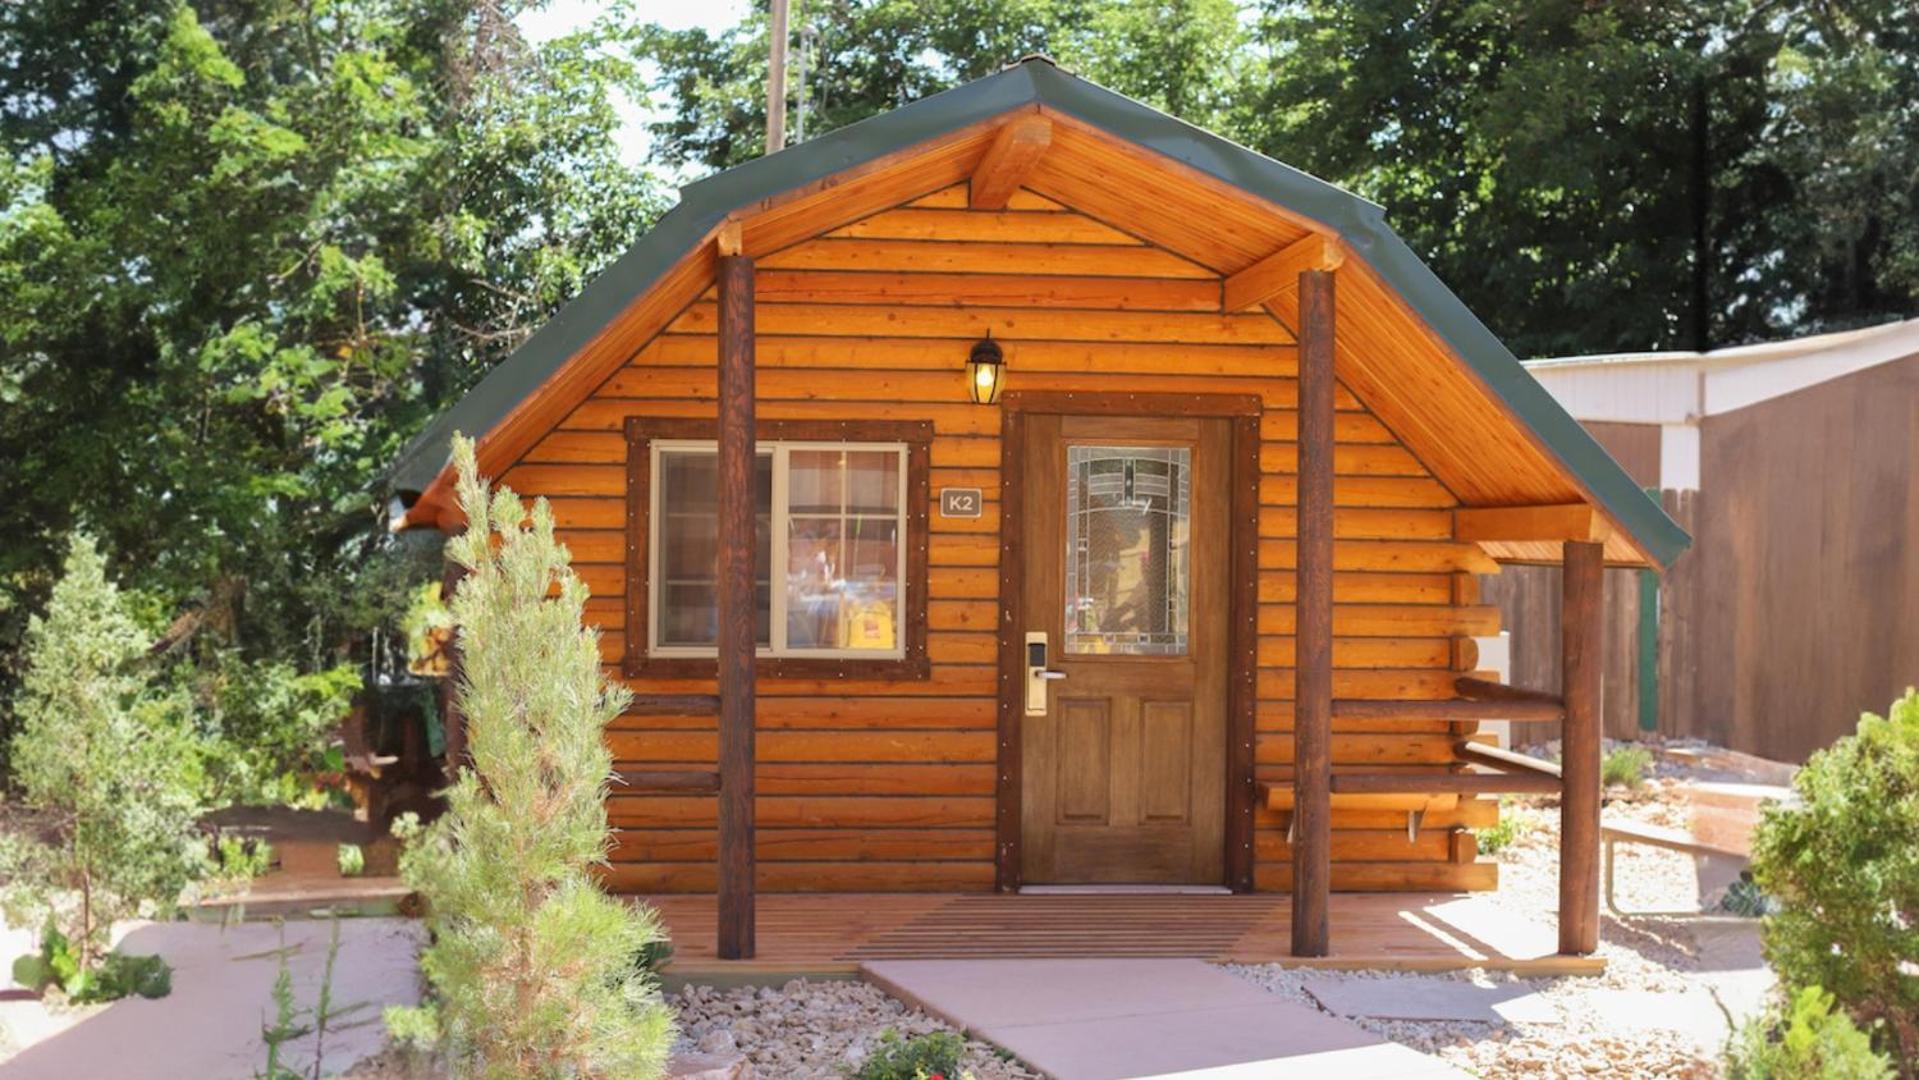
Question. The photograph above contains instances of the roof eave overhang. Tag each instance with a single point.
(1360, 224)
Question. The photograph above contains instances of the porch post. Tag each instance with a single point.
(737, 618)
(1581, 616)
(1313, 625)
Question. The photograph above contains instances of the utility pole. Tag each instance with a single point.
(799, 63)
(776, 79)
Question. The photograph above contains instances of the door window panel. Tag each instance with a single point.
(1128, 578)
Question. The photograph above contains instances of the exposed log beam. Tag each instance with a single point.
(728, 240)
(1015, 150)
(1505, 760)
(1455, 709)
(1565, 521)
(1447, 783)
(1485, 690)
(1278, 274)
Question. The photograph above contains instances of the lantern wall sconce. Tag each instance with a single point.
(985, 370)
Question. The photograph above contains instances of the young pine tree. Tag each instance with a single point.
(108, 764)
(534, 967)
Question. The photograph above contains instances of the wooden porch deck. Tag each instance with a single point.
(832, 934)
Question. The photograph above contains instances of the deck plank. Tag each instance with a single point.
(820, 934)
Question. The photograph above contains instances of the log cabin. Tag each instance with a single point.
(1026, 489)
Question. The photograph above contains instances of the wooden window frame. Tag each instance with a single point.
(642, 432)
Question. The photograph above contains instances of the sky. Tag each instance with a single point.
(565, 16)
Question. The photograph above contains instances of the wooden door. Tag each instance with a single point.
(1126, 570)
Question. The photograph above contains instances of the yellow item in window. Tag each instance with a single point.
(866, 625)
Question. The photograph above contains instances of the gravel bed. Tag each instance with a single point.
(1643, 954)
(811, 1029)
(1582, 1045)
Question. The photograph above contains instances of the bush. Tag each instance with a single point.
(1812, 1041)
(1625, 767)
(117, 975)
(895, 1058)
(1844, 869)
(108, 762)
(531, 963)
(1514, 824)
(352, 859)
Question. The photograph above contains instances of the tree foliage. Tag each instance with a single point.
(246, 248)
(1844, 869)
(106, 765)
(1589, 177)
(534, 967)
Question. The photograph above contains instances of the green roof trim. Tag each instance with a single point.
(1360, 223)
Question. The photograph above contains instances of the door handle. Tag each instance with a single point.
(1037, 673)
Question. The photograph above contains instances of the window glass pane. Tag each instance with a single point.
(687, 509)
(814, 481)
(873, 482)
(843, 550)
(1127, 573)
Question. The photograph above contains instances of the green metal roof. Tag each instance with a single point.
(1360, 223)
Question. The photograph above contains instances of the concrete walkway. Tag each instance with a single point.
(209, 1027)
(1095, 1019)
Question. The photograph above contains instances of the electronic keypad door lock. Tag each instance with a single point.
(1037, 674)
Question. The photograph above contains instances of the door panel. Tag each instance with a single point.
(1125, 563)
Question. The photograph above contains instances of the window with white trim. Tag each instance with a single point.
(832, 554)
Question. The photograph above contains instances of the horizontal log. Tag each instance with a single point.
(673, 705)
(1447, 783)
(1506, 760)
(1474, 689)
(1449, 709)
(903, 352)
(955, 198)
(809, 845)
(1104, 260)
(668, 780)
(1011, 323)
(807, 877)
(808, 811)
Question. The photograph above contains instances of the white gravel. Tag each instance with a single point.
(812, 1029)
(1646, 955)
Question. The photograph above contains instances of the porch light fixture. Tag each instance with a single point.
(985, 370)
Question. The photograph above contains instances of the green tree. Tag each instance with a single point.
(868, 56)
(246, 249)
(534, 966)
(106, 766)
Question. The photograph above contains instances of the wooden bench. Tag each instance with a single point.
(1615, 832)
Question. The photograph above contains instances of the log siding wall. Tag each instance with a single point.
(888, 784)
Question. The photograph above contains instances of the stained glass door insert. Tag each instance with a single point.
(1128, 525)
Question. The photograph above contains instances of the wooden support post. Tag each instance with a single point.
(737, 618)
(1582, 640)
(1313, 649)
